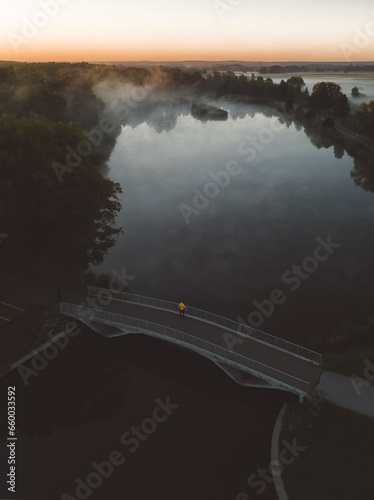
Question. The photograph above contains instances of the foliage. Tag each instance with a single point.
(363, 175)
(74, 220)
(71, 221)
(365, 119)
(348, 337)
(296, 80)
(346, 349)
(328, 95)
(283, 69)
(310, 114)
(303, 415)
(355, 92)
(328, 123)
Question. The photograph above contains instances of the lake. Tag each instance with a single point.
(223, 241)
(219, 214)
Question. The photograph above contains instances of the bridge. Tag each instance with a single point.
(249, 356)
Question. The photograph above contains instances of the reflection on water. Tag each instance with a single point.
(364, 82)
(291, 189)
(287, 189)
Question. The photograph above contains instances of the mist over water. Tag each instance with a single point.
(236, 249)
(363, 82)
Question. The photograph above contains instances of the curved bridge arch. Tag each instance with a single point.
(244, 369)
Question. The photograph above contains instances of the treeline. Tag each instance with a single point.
(60, 92)
(364, 119)
(46, 111)
(327, 108)
(54, 202)
(233, 67)
(278, 69)
(354, 68)
(68, 220)
(71, 222)
(331, 104)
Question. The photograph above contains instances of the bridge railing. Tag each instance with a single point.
(89, 315)
(226, 323)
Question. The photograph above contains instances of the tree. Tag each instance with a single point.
(283, 88)
(296, 80)
(355, 92)
(305, 95)
(328, 123)
(340, 105)
(365, 118)
(328, 95)
(324, 94)
(363, 107)
(339, 152)
(70, 221)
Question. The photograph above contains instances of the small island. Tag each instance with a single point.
(207, 112)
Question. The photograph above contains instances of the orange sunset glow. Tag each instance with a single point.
(76, 30)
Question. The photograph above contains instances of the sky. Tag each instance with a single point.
(164, 30)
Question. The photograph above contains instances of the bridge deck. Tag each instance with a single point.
(266, 354)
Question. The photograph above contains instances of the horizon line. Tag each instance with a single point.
(238, 61)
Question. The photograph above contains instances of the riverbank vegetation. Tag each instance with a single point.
(348, 349)
(55, 204)
(57, 132)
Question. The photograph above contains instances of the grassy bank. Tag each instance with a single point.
(346, 350)
(338, 460)
(28, 331)
(349, 362)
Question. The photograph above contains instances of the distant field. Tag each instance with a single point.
(330, 75)
(366, 76)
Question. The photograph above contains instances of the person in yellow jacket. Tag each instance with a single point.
(182, 308)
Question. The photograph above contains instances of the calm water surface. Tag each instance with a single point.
(242, 242)
(287, 193)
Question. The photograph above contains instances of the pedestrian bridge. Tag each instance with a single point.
(251, 357)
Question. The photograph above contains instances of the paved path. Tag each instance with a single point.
(366, 141)
(340, 389)
(354, 394)
(35, 293)
(262, 353)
